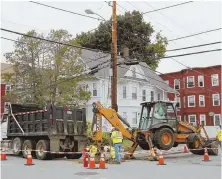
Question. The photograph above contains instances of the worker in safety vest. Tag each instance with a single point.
(112, 153)
(117, 139)
(93, 149)
(219, 135)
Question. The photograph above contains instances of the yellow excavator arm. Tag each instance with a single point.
(112, 117)
(116, 121)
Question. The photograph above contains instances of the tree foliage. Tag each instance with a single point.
(132, 32)
(45, 71)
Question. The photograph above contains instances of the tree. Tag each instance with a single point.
(45, 71)
(132, 32)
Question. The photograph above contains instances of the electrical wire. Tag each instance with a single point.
(194, 34)
(66, 10)
(47, 40)
(203, 88)
(66, 80)
(201, 45)
(160, 81)
(168, 7)
(194, 69)
(150, 17)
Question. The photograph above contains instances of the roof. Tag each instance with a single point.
(193, 68)
(92, 58)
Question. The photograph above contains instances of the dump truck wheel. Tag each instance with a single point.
(28, 145)
(195, 144)
(164, 138)
(213, 148)
(41, 147)
(17, 145)
(74, 156)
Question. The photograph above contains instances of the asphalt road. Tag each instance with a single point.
(178, 166)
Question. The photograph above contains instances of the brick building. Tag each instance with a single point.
(200, 94)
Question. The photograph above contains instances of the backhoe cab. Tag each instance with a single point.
(159, 122)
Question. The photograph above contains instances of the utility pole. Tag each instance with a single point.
(114, 58)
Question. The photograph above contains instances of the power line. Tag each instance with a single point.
(201, 45)
(180, 80)
(90, 71)
(150, 17)
(194, 34)
(193, 69)
(66, 10)
(39, 38)
(167, 7)
(159, 80)
(194, 53)
(90, 59)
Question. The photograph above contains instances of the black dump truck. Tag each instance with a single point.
(50, 132)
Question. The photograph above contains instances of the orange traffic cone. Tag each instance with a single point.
(185, 149)
(102, 163)
(92, 164)
(29, 159)
(206, 156)
(161, 159)
(3, 154)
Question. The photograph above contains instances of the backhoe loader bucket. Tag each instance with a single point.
(213, 148)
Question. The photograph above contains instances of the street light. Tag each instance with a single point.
(89, 11)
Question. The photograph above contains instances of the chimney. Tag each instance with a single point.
(126, 52)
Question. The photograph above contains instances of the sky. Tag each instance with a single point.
(190, 18)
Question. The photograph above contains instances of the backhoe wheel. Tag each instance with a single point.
(28, 145)
(17, 145)
(164, 139)
(42, 150)
(196, 146)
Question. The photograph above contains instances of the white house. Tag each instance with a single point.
(136, 84)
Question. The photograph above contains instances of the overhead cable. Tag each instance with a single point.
(66, 10)
(194, 34)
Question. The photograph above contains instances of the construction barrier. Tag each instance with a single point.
(122, 153)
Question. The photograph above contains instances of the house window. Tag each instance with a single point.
(214, 80)
(178, 100)
(125, 115)
(151, 95)
(192, 119)
(184, 118)
(184, 101)
(109, 92)
(134, 118)
(158, 96)
(216, 100)
(217, 121)
(176, 84)
(203, 119)
(179, 118)
(94, 89)
(124, 92)
(134, 72)
(144, 95)
(134, 93)
(201, 101)
(191, 101)
(167, 82)
(200, 81)
(190, 81)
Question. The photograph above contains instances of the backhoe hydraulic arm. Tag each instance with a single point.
(112, 117)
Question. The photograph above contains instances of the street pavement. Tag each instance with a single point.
(178, 166)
